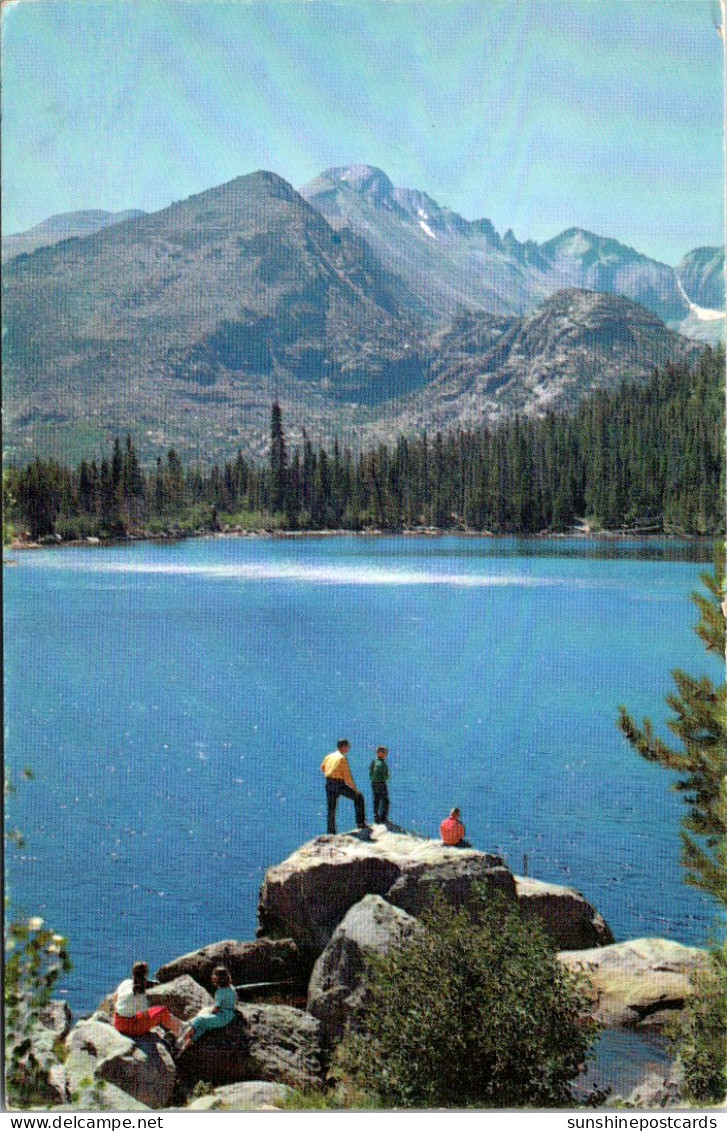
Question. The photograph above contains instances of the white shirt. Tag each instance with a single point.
(128, 1004)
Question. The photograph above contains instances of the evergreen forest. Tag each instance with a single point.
(645, 457)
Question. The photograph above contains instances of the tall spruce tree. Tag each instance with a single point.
(701, 727)
(278, 461)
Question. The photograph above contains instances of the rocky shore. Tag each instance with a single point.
(173, 534)
(333, 902)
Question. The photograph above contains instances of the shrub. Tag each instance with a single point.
(34, 960)
(475, 1011)
(73, 527)
(253, 520)
(702, 1041)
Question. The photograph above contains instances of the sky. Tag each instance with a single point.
(538, 114)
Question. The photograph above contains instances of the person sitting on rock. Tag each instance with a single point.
(452, 831)
(216, 1016)
(340, 783)
(379, 774)
(133, 1016)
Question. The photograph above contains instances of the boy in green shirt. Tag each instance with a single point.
(379, 774)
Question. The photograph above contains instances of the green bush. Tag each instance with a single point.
(253, 520)
(476, 1011)
(35, 958)
(73, 527)
(702, 1042)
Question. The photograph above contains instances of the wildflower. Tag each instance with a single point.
(35, 923)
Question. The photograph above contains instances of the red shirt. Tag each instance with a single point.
(451, 830)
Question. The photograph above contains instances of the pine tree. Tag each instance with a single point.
(117, 468)
(174, 481)
(701, 726)
(132, 481)
(278, 461)
(160, 494)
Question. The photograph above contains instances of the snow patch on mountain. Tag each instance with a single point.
(702, 313)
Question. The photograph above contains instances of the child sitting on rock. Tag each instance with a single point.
(217, 1016)
(452, 831)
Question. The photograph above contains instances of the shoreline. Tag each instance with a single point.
(55, 542)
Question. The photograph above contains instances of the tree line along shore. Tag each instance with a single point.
(643, 458)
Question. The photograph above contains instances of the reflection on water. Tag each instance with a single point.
(622, 1061)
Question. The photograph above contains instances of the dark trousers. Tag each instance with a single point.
(336, 788)
(381, 801)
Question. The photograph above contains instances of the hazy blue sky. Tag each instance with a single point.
(606, 114)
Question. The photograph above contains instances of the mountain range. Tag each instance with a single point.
(450, 262)
(366, 309)
(63, 227)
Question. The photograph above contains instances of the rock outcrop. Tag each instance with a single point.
(143, 1067)
(567, 917)
(220, 1057)
(658, 1091)
(54, 1023)
(145, 1070)
(307, 895)
(336, 988)
(252, 1095)
(56, 1016)
(266, 960)
(335, 902)
(183, 997)
(264, 1042)
(452, 876)
(641, 983)
(86, 1044)
(285, 1046)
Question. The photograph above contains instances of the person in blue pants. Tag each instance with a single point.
(219, 1015)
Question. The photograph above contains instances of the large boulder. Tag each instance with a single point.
(183, 997)
(101, 1096)
(146, 1071)
(307, 895)
(266, 960)
(264, 1042)
(142, 1067)
(220, 1056)
(659, 1091)
(641, 983)
(453, 877)
(56, 1016)
(252, 1095)
(285, 1045)
(336, 989)
(53, 1024)
(569, 919)
(88, 1043)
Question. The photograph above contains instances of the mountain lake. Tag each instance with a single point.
(174, 702)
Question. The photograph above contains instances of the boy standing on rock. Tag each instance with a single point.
(379, 774)
(340, 783)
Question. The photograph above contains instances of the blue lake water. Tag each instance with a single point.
(175, 702)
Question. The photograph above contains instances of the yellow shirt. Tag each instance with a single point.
(336, 765)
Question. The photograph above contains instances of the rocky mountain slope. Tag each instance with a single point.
(701, 274)
(66, 226)
(182, 325)
(576, 342)
(450, 262)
